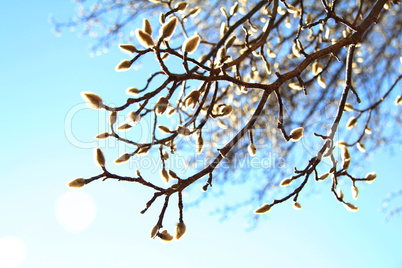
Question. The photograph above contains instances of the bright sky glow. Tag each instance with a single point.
(47, 140)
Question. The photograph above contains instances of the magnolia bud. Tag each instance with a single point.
(77, 183)
(296, 205)
(132, 91)
(323, 176)
(123, 158)
(164, 129)
(113, 118)
(173, 174)
(370, 177)
(360, 147)
(252, 149)
(351, 122)
(321, 81)
(124, 127)
(350, 207)
(355, 192)
(183, 131)
(124, 65)
(93, 100)
(146, 26)
(226, 110)
(398, 100)
(199, 144)
(317, 68)
(128, 48)
(144, 38)
(286, 182)
(168, 29)
(165, 236)
(99, 157)
(181, 6)
(161, 105)
(154, 231)
(263, 209)
(165, 176)
(191, 44)
(348, 107)
(230, 41)
(296, 134)
(103, 135)
(180, 230)
(134, 117)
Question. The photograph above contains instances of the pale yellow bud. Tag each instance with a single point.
(234, 9)
(348, 107)
(323, 176)
(144, 38)
(295, 51)
(132, 91)
(123, 158)
(230, 41)
(124, 127)
(368, 130)
(93, 101)
(154, 231)
(321, 81)
(295, 86)
(168, 29)
(113, 118)
(339, 193)
(199, 144)
(164, 129)
(182, 6)
(263, 209)
(183, 131)
(161, 105)
(103, 135)
(370, 177)
(165, 236)
(286, 182)
(191, 44)
(317, 68)
(226, 110)
(173, 174)
(180, 230)
(143, 150)
(350, 207)
(134, 117)
(146, 26)
(341, 143)
(165, 156)
(296, 134)
(77, 183)
(192, 98)
(124, 65)
(165, 176)
(355, 192)
(351, 122)
(361, 147)
(398, 100)
(296, 205)
(99, 157)
(252, 149)
(309, 18)
(128, 48)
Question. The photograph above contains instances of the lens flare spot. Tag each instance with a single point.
(75, 210)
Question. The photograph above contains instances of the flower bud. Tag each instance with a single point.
(124, 65)
(132, 91)
(180, 230)
(321, 81)
(350, 207)
(226, 110)
(296, 134)
(192, 98)
(124, 127)
(103, 135)
(161, 105)
(133, 117)
(183, 131)
(99, 157)
(368, 130)
(146, 26)
(168, 29)
(317, 68)
(370, 177)
(113, 118)
(165, 176)
(398, 100)
(154, 231)
(263, 209)
(191, 44)
(143, 150)
(348, 107)
(199, 144)
(295, 86)
(296, 205)
(93, 100)
(230, 41)
(286, 182)
(351, 122)
(164, 129)
(323, 176)
(360, 147)
(173, 174)
(123, 158)
(339, 193)
(252, 149)
(234, 9)
(355, 192)
(165, 236)
(77, 183)
(128, 48)
(181, 6)
(144, 38)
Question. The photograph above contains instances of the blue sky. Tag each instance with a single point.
(41, 78)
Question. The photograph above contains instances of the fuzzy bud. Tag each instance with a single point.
(263, 209)
(180, 230)
(144, 38)
(124, 65)
(183, 131)
(128, 48)
(103, 135)
(113, 118)
(370, 177)
(252, 149)
(77, 183)
(355, 192)
(154, 231)
(350, 207)
(351, 122)
(296, 205)
(132, 91)
(165, 176)
(168, 29)
(123, 158)
(199, 144)
(191, 44)
(182, 6)
(286, 182)
(93, 100)
(296, 134)
(99, 157)
(124, 127)
(146, 26)
(161, 105)
(165, 236)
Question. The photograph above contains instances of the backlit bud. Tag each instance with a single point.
(124, 65)
(360, 147)
(132, 91)
(317, 68)
(123, 158)
(296, 134)
(295, 86)
(234, 9)
(181, 6)
(252, 149)
(348, 107)
(230, 41)
(113, 118)
(154, 231)
(339, 193)
(199, 144)
(370, 177)
(183, 131)
(144, 38)
(165, 236)
(398, 100)
(263, 209)
(351, 122)
(350, 207)
(192, 98)
(226, 110)
(103, 135)
(165, 176)
(355, 192)
(296, 205)
(286, 182)
(146, 26)
(161, 105)
(77, 183)
(180, 230)
(128, 48)
(124, 127)
(173, 174)
(93, 100)
(368, 130)
(168, 29)
(321, 81)
(134, 117)
(143, 150)
(164, 129)
(191, 44)
(323, 176)
(99, 157)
